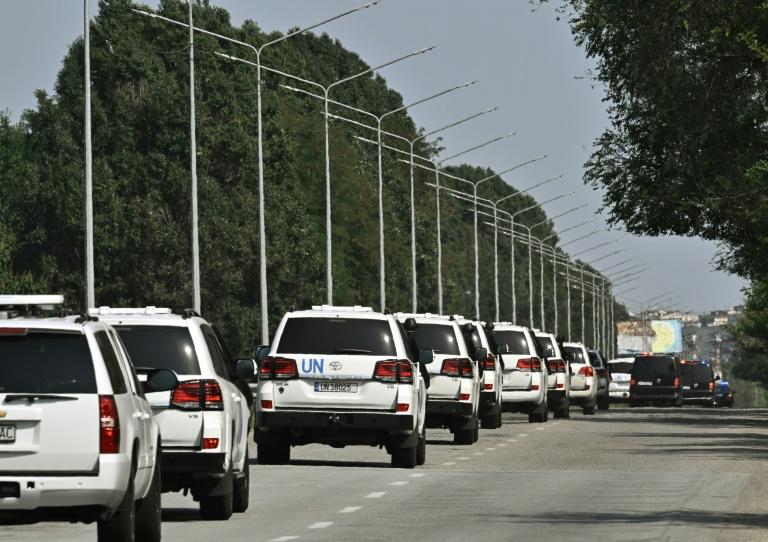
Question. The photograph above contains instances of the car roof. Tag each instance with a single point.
(426, 317)
(330, 311)
(572, 344)
(507, 326)
(59, 323)
(145, 316)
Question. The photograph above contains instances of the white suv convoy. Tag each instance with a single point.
(620, 370)
(559, 379)
(524, 386)
(341, 376)
(476, 336)
(454, 379)
(583, 381)
(204, 420)
(597, 361)
(78, 441)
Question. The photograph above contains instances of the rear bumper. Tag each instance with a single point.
(522, 396)
(193, 462)
(655, 396)
(583, 394)
(449, 408)
(707, 399)
(619, 395)
(556, 396)
(67, 498)
(296, 419)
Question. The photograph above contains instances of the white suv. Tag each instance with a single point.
(476, 335)
(559, 380)
(524, 387)
(620, 370)
(583, 381)
(204, 420)
(603, 377)
(454, 379)
(78, 441)
(341, 376)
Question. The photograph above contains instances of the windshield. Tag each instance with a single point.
(518, 344)
(438, 337)
(574, 354)
(696, 372)
(650, 367)
(160, 347)
(337, 336)
(621, 367)
(46, 363)
(546, 344)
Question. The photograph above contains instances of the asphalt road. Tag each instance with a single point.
(642, 474)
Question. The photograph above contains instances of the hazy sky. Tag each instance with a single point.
(525, 61)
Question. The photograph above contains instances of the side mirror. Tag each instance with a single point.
(426, 356)
(502, 348)
(468, 327)
(261, 353)
(245, 369)
(481, 354)
(410, 324)
(160, 380)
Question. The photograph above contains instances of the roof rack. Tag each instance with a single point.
(31, 299)
(149, 309)
(334, 308)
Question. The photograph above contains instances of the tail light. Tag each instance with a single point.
(676, 382)
(529, 364)
(490, 362)
(559, 386)
(266, 403)
(277, 368)
(587, 370)
(488, 387)
(210, 443)
(711, 386)
(632, 382)
(109, 425)
(463, 397)
(402, 407)
(394, 370)
(198, 395)
(602, 373)
(534, 387)
(557, 366)
(457, 367)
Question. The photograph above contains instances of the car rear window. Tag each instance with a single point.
(337, 336)
(594, 359)
(696, 372)
(160, 347)
(46, 363)
(518, 344)
(574, 354)
(649, 367)
(438, 337)
(546, 344)
(621, 367)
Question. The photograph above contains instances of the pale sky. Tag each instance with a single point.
(525, 61)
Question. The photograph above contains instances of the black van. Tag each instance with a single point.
(698, 382)
(655, 379)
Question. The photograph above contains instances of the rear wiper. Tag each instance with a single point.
(37, 397)
(351, 351)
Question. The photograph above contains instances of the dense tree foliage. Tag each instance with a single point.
(141, 183)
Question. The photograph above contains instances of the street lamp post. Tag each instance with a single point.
(90, 295)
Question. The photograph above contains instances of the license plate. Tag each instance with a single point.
(645, 383)
(7, 434)
(338, 387)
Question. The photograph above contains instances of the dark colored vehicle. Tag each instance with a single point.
(698, 382)
(656, 380)
(723, 394)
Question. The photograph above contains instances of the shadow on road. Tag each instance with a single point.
(319, 463)
(697, 518)
(181, 515)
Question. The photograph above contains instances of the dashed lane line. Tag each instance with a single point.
(399, 483)
(417, 475)
(283, 538)
(500, 445)
(449, 463)
(523, 435)
(350, 509)
(512, 440)
(462, 458)
(489, 449)
(376, 495)
(320, 525)
(479, 453)
(540, 428)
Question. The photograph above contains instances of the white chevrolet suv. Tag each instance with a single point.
(78, 441)
(583, 380)
(524, 387)
(204, 420)
(477, 335)
(454, 390)
(341, 376)
(559, 380)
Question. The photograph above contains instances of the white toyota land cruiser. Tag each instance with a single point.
(583, 381)
(204, 419)
(78, 441)
(341, 376)
(476, 335)
(455, 384)
(559, 388)
(525, 373)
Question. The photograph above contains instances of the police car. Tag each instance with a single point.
(341, 376)
(455, 380)
(204, 420)
(78, 441)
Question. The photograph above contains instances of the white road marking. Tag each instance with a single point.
(555, 423)
(512, 440)
(284, 538)
(376, 495)
(540, 428)
(523, 435)
(417, 475)
(449, 463)
(500, 445)
(479, 453)
(400, 483)
(462, 458)
(489, 449)
(349, 509)
(320, 525)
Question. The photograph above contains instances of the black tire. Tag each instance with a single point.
(589, 409)
(545, 415)
(421, 449)
(499, 419)
(404, 458)
(562, 413)
(121, 526)
(534, 417)
(273, 454)
(218, 507)
(464, 436)
(603, 403)
(241, 489)
(149, 510)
